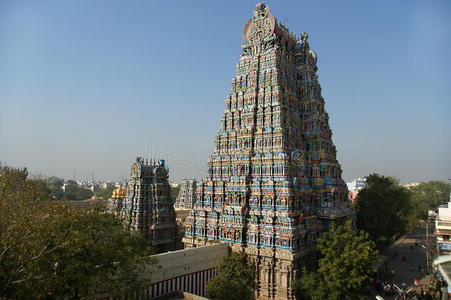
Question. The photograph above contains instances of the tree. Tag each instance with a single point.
(75, 192)
(384, 209)
(345, 268)
(50, 250)
(105, 193)
(236, 279)
(430, 195)
(55, 185)
(174, 193)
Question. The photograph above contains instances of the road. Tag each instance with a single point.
(407, 270)
(413, 266)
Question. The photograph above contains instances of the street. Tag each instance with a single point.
(407, 259)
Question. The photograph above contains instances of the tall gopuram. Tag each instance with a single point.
(273, 182)
(187, 194)
(148, 206)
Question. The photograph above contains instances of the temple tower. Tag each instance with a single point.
(148, 206)
(115, 203)
(273, 183)
(187, 194)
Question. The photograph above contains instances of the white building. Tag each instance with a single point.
(355, 186)
(358, 183)
(174, 185)
(443, 229)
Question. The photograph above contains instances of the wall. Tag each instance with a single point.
(187, 270)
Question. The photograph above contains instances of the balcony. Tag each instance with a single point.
(443, 224)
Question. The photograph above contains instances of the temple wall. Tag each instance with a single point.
(275, 269)
(173, 264)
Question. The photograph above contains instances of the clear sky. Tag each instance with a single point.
(88, 85)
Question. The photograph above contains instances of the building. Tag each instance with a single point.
(147, 206)
(273, 183)
(358, 183)
(187, 194)
(355, 186)
(412, 185)
(187, 270)
(117, 200)
(443, 230)
(174, 185)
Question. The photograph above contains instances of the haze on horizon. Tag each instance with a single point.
(86, 86)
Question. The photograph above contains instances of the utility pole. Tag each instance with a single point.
(427, 245)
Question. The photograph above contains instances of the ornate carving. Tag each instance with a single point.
(259, 33)
(268, 164)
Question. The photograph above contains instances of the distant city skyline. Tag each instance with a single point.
(86, 87)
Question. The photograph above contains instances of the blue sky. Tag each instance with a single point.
(86, 86)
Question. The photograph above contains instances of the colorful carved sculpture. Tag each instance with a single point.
(187, 194)
(147, 206)
(273, 182)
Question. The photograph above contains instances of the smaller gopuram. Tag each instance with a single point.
(187, 194)
(115, 203)
(148, 206)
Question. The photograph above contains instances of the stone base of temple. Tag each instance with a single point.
(275, 268)
(192, 242)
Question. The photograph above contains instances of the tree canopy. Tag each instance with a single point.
(50, 250)
(55, 185)
(174, 193)
(344, 268)
(236, 279)
(75, 192)
(384, 209)
(430, 195)
(105, 193)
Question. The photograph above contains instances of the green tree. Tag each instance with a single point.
(384, 209)
(236, 279)
(55, 185)
(49, 250)
(75, 192)
(174, 193)
(430, 195)
(105, 193)
(345, 268)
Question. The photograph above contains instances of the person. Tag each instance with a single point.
(415, 281)
(378, 286)
(387, 288)
(431, 285)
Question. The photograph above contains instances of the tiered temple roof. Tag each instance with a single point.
(187, 194)
(147, 206)
(273, 182)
